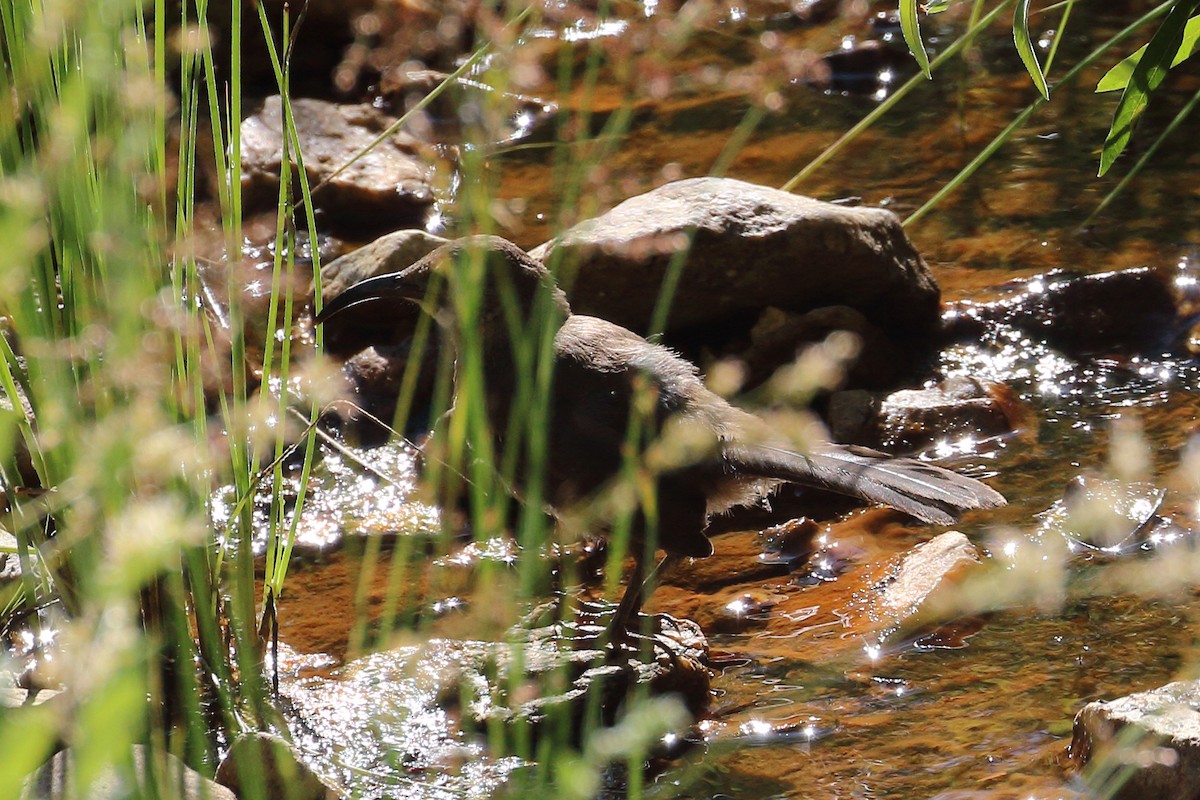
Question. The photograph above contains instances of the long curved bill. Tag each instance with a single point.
(393, 286)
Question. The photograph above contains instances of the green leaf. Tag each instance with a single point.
(1025, 47)
(1149, 73)
(912, 35)
(1118, 76)
(935, 6)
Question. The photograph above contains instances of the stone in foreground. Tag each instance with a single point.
(1154, 736)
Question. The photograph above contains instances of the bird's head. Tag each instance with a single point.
(478, 280)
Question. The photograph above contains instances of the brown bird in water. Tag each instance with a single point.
(601, 373)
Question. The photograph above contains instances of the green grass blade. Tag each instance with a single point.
(1025, 47)
(1118, 77)
(912, 35)
(1028, 112)
(866, 122)
(1183, 114)
(1149, 73)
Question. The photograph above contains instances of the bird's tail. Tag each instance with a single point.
(923, 490)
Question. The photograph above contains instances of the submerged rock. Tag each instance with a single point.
(1127, 312)
(960, 407)
(741, 248)
(389, 187)
(1149, 742)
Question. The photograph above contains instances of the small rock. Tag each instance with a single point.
(1154, 736)
(737, 558)
(56, 780)
(389, 187)
(494, 116)
(753, 247)
(265, 765)
(791, 543)
(899, 591)
(853, 417)
(742, 612)
(913, 419)
(866, 67)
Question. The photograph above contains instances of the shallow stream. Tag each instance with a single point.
(817, 713)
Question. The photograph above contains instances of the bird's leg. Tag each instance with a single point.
(631, 602)
(638, 588)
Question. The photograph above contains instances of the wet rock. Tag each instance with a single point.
(346, 334)
(790, 543)
(57, 780)
(24, 690)
(416, 715)
(389, 187)
(754, 247)
(866, 67)
(374, 379)
(1127, 312)
(265, 765)
(897, 593)
(745, 610)
(1152, 737)
(912, 419)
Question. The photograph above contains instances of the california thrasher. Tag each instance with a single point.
(723, 456)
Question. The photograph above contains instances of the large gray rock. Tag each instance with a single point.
(1154, 736)
(754, 247)
(389, 187)
(56, 780)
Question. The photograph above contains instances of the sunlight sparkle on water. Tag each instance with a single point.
(874, 652)
(756, 727)
(738, 607)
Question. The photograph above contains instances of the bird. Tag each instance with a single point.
(610, 388)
